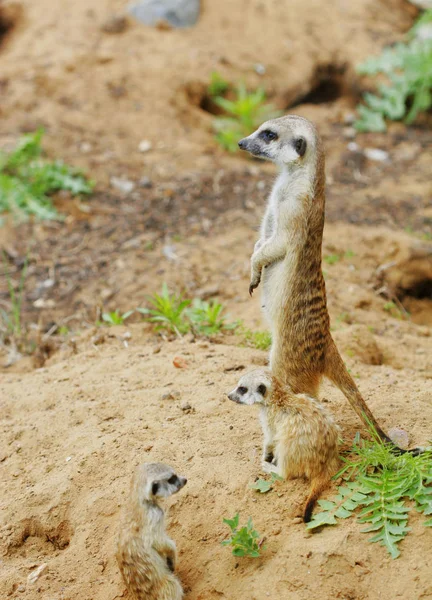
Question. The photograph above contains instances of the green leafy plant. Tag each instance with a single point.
(27, 181)
(381, 488)
(10, 322)
(245, 113)
(265, 485)
(207, 317)
(218, 85)
(261, 340)
(115, 318)
(244, 541)
(408, 69)
(167, 312)
(175, 314)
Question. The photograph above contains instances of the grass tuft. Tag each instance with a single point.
(27, 181)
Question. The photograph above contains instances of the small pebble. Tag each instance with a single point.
(145, 146)
(376, 154)
(122, 185)
(114, 24)
(173, 395)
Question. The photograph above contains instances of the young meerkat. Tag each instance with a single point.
(287, 259)
(302, 434)
(145, 554)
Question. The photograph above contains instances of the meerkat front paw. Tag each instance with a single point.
(255, 280)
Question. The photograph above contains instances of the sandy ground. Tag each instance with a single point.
(73, 429)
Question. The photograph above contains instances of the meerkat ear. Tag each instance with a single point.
(300, 146)
(155, 487)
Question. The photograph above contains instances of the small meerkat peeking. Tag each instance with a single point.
(287, 259)
(145, 554)
(300, 436)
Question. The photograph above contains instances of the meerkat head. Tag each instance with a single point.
(288, 140)
(253, 388)
(156, 480)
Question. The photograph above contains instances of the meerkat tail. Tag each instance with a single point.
(337, 372)
(318, 486)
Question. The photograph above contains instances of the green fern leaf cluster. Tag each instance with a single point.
(408, 92)
(380, 488)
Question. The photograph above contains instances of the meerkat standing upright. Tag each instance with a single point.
(145, 554)
(287, 257)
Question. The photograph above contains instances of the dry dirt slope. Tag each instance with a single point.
(72, 433)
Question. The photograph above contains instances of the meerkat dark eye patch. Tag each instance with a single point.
(155, 488)
(268, 136)
(241, 390)
(300, 146)
(262, 389)
(173, 480)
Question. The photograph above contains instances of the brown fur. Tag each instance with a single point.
(300, 436)
(305, 440)
(145, 554)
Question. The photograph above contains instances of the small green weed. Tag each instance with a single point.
(408, 69)
(244, 541)
(115, 318)
(167, 312)
(244, 114)
(383, 487)
(207, 318)
(218, 85)
(175, 314)
(265, 485)
(261, 340)
(27, 181)
(394, 310)
(332, 259)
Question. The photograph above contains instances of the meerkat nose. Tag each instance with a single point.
(242, 143)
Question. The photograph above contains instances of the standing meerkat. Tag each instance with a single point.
(301, 433)
(287, 258)
(145, 554)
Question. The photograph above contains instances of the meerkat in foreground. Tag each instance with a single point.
(145, 554)
(301, 434)
(287, 258)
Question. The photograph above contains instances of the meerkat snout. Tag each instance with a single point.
(285, 140)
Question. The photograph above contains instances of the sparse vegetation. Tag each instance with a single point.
(261, 340)
(27, 181)
(408, 69)
(244, 541)
(218, 85)
(115, 318)
(383, 487)
(265, 485)
(245, 112)
(175, 314)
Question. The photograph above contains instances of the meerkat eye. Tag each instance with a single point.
(300, 146)
(172, 480)
(155, 488)
(268, 136)
(241, 390)
(262, 389)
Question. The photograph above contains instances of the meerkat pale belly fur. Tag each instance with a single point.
(298, 431)
(145, 554)
(287, 258)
